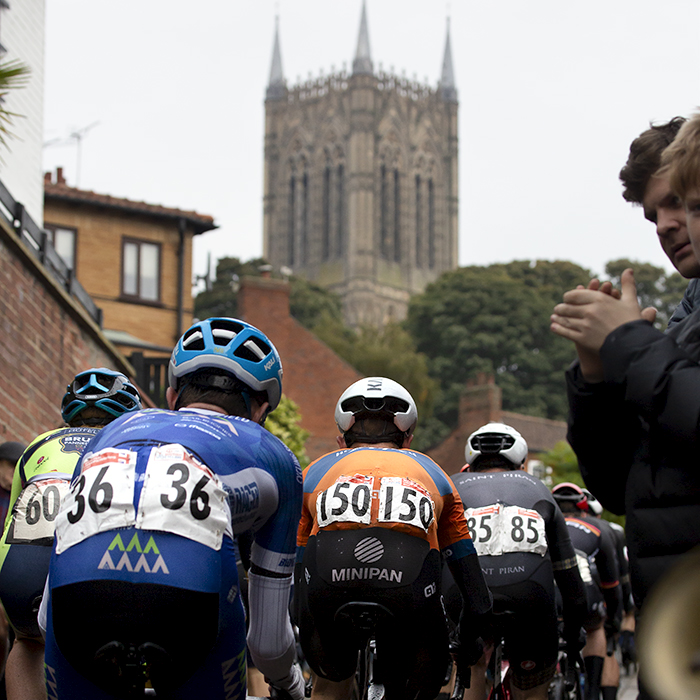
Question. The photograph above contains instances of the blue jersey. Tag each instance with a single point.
(199, 475)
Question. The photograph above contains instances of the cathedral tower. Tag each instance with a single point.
(361, 182)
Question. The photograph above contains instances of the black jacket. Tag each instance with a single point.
(637, 440)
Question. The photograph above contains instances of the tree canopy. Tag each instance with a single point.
(495, 320)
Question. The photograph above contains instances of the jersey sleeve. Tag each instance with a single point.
(453, 533)
(275, 541)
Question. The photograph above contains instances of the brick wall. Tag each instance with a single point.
(314, 376)
(45, 338)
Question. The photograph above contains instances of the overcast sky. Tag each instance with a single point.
(551, 93)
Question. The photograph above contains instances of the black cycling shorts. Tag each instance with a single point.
(375, 565)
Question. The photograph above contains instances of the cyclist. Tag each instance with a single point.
(600, 572)
(524, 547)
(376, 518)
(94, 398)
(143, 574)
(610, 677)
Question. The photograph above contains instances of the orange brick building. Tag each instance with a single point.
(134, 259)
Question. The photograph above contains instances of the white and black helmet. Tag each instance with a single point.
(496, 439)
(376, 396)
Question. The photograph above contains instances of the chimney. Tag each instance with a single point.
(60, 180)
(47, 178)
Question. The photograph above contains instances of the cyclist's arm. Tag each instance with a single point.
(606, 563)
(566, 573)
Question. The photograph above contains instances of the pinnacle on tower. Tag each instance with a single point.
(448, 90)
(277, 86)
(362, 65)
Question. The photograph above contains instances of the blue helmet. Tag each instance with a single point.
(102, 388)
(233, 346)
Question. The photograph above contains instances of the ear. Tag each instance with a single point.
(407, 442)
(259, 412)
(170, 397)
(340, 439)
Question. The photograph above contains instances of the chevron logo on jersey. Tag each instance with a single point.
(133, 557)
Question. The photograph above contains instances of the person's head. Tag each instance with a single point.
(495, 446)
(227, 365)
(570, 497)
(376, 411)
(10, 452)
(681, 164)
(646, 184)
(97, 396)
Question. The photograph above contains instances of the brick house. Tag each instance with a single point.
(134, 259)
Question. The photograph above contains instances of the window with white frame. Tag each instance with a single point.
(141, 270)
(63, 240)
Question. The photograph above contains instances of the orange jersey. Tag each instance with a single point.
(380, 487)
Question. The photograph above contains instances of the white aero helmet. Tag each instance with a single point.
(496, 439)
(377, 395)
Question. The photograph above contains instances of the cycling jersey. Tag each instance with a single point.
(374, 524)
(148, 526)
(598, 562)
(523, 545)
(41, 479)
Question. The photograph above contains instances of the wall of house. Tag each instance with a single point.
(100, 232)
(45, 339)
(314, 376)
(22, 34)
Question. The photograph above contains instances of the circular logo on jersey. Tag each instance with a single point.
(527, 665)
(368, 550)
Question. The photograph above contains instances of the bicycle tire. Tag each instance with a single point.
(557, 689)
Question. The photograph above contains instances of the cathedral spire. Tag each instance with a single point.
(362, 65)
(448, 90)
(277, 86)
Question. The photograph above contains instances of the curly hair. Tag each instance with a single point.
(645, 158)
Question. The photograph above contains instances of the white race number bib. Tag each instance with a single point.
(499, 529)
(404, 501)
(348, 500)
(35, 511)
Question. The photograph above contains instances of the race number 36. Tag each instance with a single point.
(403, 501)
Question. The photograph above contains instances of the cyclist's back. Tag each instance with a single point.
(144, 568)
(523, 546)
(375, 521)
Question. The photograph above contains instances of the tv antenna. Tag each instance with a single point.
(76, 137)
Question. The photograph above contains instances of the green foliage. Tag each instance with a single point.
(495, 320)
(655, 286)
(222, 298)
(283, 422)
(307, 301)
(13, 75)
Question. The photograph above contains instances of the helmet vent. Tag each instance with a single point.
(492, 443)
(253, 350)
(193, 339)
(223, 331)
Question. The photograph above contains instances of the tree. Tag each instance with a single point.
(496, 320)
(13, 75)
(655, 287)
(307, 301)
(284, 423)
(389, 352)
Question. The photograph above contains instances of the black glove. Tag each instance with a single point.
(575, 638)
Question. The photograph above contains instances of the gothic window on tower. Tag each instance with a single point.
(397, 215)
(340, 210)
(431, 224)
(326, 234)
(420, 255)
(384, 214)
(292, 220)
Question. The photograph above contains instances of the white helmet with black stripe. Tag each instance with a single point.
(377, 397)
(496, 439)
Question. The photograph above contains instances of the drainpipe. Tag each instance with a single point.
(181, 226)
